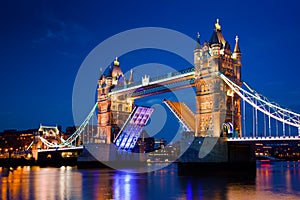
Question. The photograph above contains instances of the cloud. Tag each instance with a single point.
(64, 31)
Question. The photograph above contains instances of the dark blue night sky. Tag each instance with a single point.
(43, 43)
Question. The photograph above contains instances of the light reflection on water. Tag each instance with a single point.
(273, 180)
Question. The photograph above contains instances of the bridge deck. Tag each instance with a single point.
(129, 134)
(267, 138)
(183, 113)
(61, 149)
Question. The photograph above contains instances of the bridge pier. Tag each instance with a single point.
(108, 156)
(216, 156)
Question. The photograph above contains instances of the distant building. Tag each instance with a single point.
(14, 140)
(51, 133)
(20, 140)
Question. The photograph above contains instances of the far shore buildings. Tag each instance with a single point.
(20, 140)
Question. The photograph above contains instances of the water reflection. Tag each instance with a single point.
(41, 183)
(278, 180)
(273, 180)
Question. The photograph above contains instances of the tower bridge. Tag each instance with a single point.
(221, 101)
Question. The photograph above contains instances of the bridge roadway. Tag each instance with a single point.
(60, 149)
(183, 114)
(230, 139)
(164, 83)
(265, 139)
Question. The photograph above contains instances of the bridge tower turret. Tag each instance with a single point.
(113, 110)
(197, 54)
(237, 56)
(217, 107)
(104, 104)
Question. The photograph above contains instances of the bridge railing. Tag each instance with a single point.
(120, 87)
(263, 138)
(158, 78)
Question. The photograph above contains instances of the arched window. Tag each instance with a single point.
(120, 107)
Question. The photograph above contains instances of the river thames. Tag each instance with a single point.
(273, 180)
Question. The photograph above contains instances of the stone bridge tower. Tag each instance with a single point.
(218, 109)
(113, 110)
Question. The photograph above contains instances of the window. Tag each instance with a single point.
(120, 107)
(202, 88)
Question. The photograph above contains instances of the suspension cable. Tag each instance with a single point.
(262, 104)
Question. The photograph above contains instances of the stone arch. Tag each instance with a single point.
(227, 129)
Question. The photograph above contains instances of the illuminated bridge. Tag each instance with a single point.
(227, 108)
(130, 132)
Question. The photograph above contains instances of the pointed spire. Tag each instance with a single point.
(237, 46)
(217, 25)
(101, 73)
(214, 39)
(198, 45)
(217, 37)
(130, 81)
(116, 62)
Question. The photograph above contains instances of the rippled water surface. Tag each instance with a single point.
(272, 181)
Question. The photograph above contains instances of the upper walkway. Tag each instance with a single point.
(169, 81)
